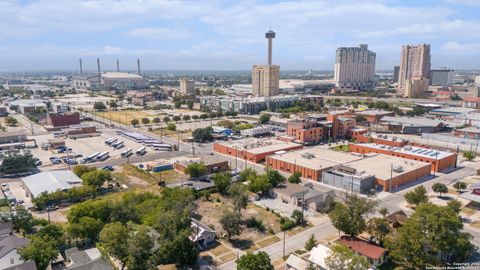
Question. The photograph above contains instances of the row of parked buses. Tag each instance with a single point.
(145, 140)
(97, 156)
(115, 143)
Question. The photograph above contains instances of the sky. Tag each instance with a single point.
(230, 35)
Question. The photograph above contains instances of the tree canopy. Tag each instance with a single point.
(343, 258)
(251, 261)
(350, 216)
(16, 162)
(417, 196)
(222, 181)
(196, 169)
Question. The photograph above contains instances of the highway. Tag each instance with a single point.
(455, 103)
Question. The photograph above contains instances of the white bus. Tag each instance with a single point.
(118, 145)
(91, 158)
(110, 141)
(102, 156)
(126, 153)
(141, 151)
(161, 146)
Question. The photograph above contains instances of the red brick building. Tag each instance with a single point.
(469, 132)
(254, 150)
(362, 136)
(308, 131)
(440, 160)
(56, 120)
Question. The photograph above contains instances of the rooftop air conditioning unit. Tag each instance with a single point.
(398, 168)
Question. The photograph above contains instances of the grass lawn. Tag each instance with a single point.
(267, 241)
(126, 116)
(341, 148)
(219, 249)
(227, 257)
(475, 224)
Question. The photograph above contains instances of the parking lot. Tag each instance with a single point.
(83, 146)
(18, 192)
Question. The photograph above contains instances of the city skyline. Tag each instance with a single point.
(214, 35)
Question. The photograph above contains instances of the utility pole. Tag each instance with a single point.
(391, 178)
(436, 164)
(193, 148)
(303, 207)
(284, 231)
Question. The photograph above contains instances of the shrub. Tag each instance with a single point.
(252, 222)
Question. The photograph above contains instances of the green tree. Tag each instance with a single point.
(16, 162)
(166, 119)
(114, 239)
(259, 184)
(79, 170)
(113, 104)
(264, 118)
(274, 177)
(196, 169)
(176, 118)
(417, 196)
(156, 120)
(203, 116)
(145, 121)
(459, 186)
(96, 178)
(11, 121)
(297, 215)
(432, 230)
(171, 127)
(51, 231)
(87, 228)
(134, 122)
(186, 117)
(239, 194)
(343, 258)
(230, 222)
(311, 243)
(99, 106)
(383, 211)
(222, 181)
(250, 261)
(22, 220)
(226, 123)
(202, 134)
(139, 247)
(378, 228)
(455, 205)
(440, 188)
(295, 178)
(195, 117)
(246, 174)
(349, 217)
(41, 250)
(470, 155)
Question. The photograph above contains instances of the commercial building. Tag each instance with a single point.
(50, 181)
(441, 77)
(304, 196)
(81, 131)
(341, 125)
(415, 87)
(408, 125)
(12, 136)
(27, 105)
(295, 86)
(414, 64)
(374, 172)
(257, 131)
(187, 87)
(354, 68)
(308, 131)
(122, 80)
(471, 102)
(369, 137)
(212, 164)
(468, 132)
(254, 150)
(59, 120)
(439, 160)
(254, 105)
(265, 78)
(309, 162)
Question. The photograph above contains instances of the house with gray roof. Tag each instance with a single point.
(9, 246)
(89, 259)
(298, 195)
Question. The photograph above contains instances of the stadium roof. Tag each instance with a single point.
(121, 75)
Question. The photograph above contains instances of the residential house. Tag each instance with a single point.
(298, 195)
(9, 246)
(202, 234)
(375, 254)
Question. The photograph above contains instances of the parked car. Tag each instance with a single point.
(107, 168)
(55, 160)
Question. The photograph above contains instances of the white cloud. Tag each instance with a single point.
(462, 48)
(158, 33)
(464, 2)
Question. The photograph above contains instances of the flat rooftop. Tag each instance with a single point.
(412, 121)
(121, 75)
(412, 150)
(320, 158)
(259, 146)
(454, 110)
(207, 160)
(380, 166)
(373, 112)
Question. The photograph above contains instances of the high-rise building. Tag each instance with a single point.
(441, 77)
(396, 70)
(355, 68)
(187, 87)
(265, 78)
(414, 63)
